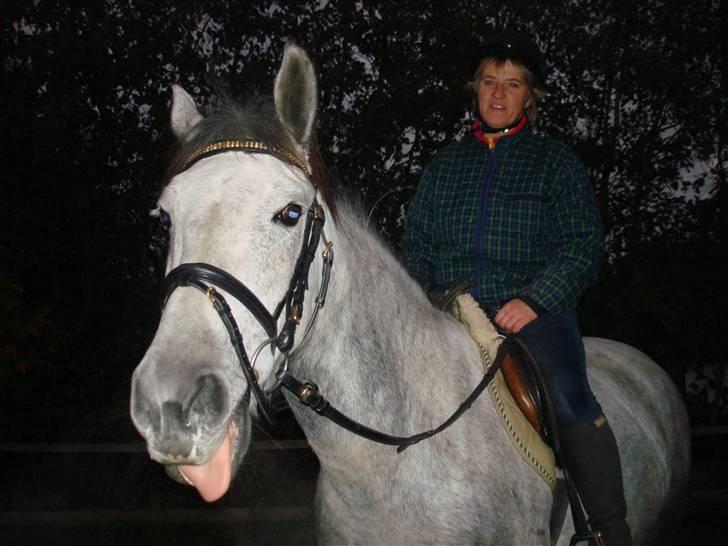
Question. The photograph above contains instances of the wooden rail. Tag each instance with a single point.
(153, 516)
(30, 447)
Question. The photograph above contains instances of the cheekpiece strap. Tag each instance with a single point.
(247, 146)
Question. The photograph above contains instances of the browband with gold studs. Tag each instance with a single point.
(247, 146)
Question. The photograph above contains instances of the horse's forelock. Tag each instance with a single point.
(254, 120)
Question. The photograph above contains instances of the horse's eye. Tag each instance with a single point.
(164, 218)
(290, 215)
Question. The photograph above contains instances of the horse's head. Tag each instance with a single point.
(243, 212)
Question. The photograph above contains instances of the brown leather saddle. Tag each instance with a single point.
(521, 374)
(520, 371)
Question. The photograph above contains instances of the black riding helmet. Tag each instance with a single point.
(513, 45)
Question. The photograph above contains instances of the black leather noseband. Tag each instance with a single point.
(194, 274)
(197, 274)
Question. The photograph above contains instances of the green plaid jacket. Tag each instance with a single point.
(519, 221)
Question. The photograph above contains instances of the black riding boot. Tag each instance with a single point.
(590, 452)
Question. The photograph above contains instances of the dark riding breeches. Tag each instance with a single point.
(556, 344)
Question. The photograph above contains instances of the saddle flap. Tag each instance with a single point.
(523, 385)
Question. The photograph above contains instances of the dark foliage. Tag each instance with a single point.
(638, 89)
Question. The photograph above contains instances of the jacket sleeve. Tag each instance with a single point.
(417, 242)
(574, 241)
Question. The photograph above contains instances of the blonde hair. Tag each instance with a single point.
(535, 87)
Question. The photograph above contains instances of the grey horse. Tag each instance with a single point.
(380, 352)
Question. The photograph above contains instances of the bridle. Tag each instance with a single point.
(208, 279)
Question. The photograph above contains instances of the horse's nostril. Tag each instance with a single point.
(145, 415)
(172, 418)
(174, 425)
(209, 401)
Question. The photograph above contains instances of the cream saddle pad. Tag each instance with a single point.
(523, 436)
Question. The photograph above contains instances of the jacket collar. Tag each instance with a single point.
(492, 140)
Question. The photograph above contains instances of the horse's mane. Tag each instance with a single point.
(253, 119)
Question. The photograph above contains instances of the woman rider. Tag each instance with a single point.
(513, 213)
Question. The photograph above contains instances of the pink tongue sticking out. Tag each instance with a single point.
(212, 478)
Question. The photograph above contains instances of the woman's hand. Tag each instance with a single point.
(514, 315)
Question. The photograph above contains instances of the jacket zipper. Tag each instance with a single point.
(482, 221)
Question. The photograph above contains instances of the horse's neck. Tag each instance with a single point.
(379, 351)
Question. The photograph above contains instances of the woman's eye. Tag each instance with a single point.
(165, 219)
(290, 215)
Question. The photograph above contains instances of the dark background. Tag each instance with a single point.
(639, 90)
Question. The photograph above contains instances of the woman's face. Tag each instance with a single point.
(502, 94)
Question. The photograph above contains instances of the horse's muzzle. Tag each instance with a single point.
(183, 430)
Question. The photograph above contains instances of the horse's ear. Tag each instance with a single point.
(184, 113)
(295, 93)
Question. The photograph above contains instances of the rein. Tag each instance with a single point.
(206, 277)
(308, 394)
